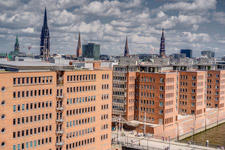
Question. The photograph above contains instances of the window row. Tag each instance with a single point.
(105, 86)
(30, 119)
(31, 106)
(32, 144)
(80, 143)
(146, 79)
(32, 80)
(106, 106)
(104, 126)
(151, 95)
(105, 96)
(118, 93)
(149, 119)
(80, 100)
(80, 132)
(104, 136)
(32, 131)
(148, 110)
(104, 117)
(80, 121)
(105, 76)
(148, 87)
(81, 89)
(148, 102)
(80, 111)
(77, 78)
(31, 93)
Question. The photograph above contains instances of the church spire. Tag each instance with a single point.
(45, 39)
(17, 46)
(79, 49)
(162, 45)
(126, 49)
(45, 18)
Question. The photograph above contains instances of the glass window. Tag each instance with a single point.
(27, 145)
(35, 143)
(31, 144)
(14, 108)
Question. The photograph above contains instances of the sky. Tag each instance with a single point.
(189, 24)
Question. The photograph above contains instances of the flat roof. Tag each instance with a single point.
(28, 63)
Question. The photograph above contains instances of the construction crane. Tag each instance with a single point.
(33, 46)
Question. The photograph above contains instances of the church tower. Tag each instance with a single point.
(79, 49)
(162, 46)
(45, 37)
(126, 49)
(17, 46)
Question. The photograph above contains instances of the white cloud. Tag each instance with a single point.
(64, 18)
(194, 37)
(196, 5)
(219, 17)
(182, 20)
(28, 30)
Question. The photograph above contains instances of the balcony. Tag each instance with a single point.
(59, 131)
(59, 143)
(60, 96)
(60, 108)
(60, 120)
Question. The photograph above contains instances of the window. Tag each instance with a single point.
(161, 104)
(160, 111)
(14, 108)
(193, 77)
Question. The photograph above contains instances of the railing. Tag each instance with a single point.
(59, 143)
(136, 146)
(59, 119)
(60, 108)
(60, 131)
(60, 96)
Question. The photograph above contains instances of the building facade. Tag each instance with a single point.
(156, 96)
(215, 89)
(187, 52)
(124, 77)
(59, 110)
(91, 50)
(209, 54)
(192, 86)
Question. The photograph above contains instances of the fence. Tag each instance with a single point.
(131, 146)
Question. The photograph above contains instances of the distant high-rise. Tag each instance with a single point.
(209, 54)
(126, 49)
(17, 46)
(91, 50)
(45, 37)
(162, 51)
(187, 52)
(79, 49)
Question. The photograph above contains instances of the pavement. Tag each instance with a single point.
(148, 143)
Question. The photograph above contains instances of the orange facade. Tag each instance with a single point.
(192, 91)
(156, 98)
(56, 110)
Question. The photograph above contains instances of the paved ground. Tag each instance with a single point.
(151, 143)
